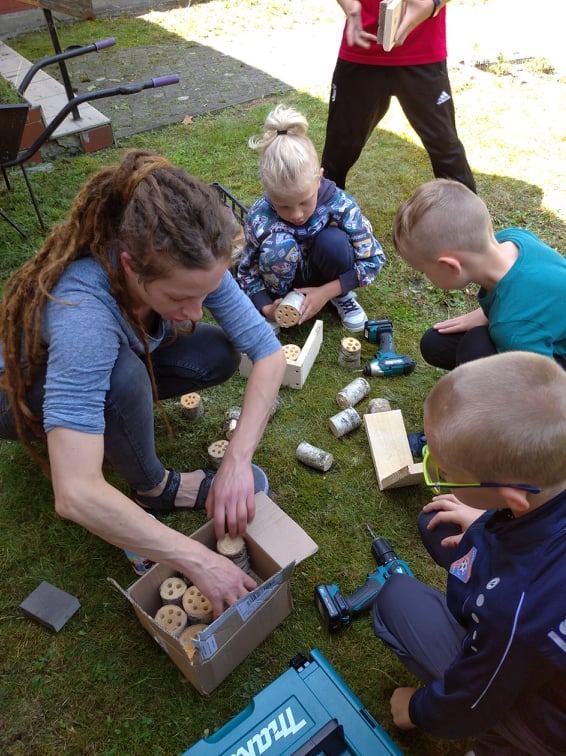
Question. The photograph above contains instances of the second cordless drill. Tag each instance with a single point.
(386, 361)
(338, 610)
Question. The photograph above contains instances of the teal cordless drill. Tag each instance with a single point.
(386, 361)
(338, 610)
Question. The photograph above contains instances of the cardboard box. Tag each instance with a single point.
(275, 544)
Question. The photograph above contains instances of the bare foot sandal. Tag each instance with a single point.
(165, 502)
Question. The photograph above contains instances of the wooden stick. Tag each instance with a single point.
(216, 452)
(192, 405)
(235, 550)
(172, 618)
(291, 352)
(171, 591)
(197, 606)
(231, 418)
(350, 353)
(289, 310)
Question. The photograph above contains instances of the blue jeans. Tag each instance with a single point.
(331, 256)
(189, 362)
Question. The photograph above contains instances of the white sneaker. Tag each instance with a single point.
(351, 314)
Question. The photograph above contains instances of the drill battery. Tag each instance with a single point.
(374, 330)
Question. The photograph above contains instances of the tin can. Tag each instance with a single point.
(140, 564)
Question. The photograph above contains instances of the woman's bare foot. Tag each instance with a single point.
(188, 488)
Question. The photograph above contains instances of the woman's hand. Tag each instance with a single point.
(231, 499)
(220, 580)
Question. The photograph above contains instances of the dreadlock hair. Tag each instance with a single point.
(144, 205)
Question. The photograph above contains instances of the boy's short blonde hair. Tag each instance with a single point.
(501, 418)
(289, 161)
(442, 216)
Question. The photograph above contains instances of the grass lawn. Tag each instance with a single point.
(102, 685)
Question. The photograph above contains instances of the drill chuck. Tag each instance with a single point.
(382, 551)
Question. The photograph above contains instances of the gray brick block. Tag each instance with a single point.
(50, 606)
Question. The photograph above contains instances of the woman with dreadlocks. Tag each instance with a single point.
(94, 328)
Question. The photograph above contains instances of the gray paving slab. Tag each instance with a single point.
(50, 606)
(208, 81)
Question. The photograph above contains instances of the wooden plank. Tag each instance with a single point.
(78, 8)
(309, 352)
(390, 14)
(411, 475)
(390, 451)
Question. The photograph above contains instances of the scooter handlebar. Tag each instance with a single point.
(104, 43)
(165, 81)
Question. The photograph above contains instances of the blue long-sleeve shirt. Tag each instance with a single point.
(83, 330)
(268, 234)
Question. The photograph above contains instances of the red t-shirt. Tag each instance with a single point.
(425, 44)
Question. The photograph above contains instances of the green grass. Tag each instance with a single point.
(102, 685)
(8, 93)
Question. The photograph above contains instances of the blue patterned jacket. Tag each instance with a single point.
(269, 235)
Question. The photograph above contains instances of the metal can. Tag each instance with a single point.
(141, 564)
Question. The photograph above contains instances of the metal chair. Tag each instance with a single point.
(12, 123)
(13, 117)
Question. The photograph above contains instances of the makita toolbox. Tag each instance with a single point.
(307, 711)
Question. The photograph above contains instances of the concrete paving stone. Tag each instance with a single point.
(208, 81)
(50, 606)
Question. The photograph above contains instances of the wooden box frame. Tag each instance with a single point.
(390, 451)
(297, 371)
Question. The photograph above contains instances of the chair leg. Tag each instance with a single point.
(11, 222)
(33, 198)
(6, 181)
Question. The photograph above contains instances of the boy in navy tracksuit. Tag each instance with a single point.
(492, 652)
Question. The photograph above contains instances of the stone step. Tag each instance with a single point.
(92, 129)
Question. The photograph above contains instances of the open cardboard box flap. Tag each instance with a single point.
(279, 535)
